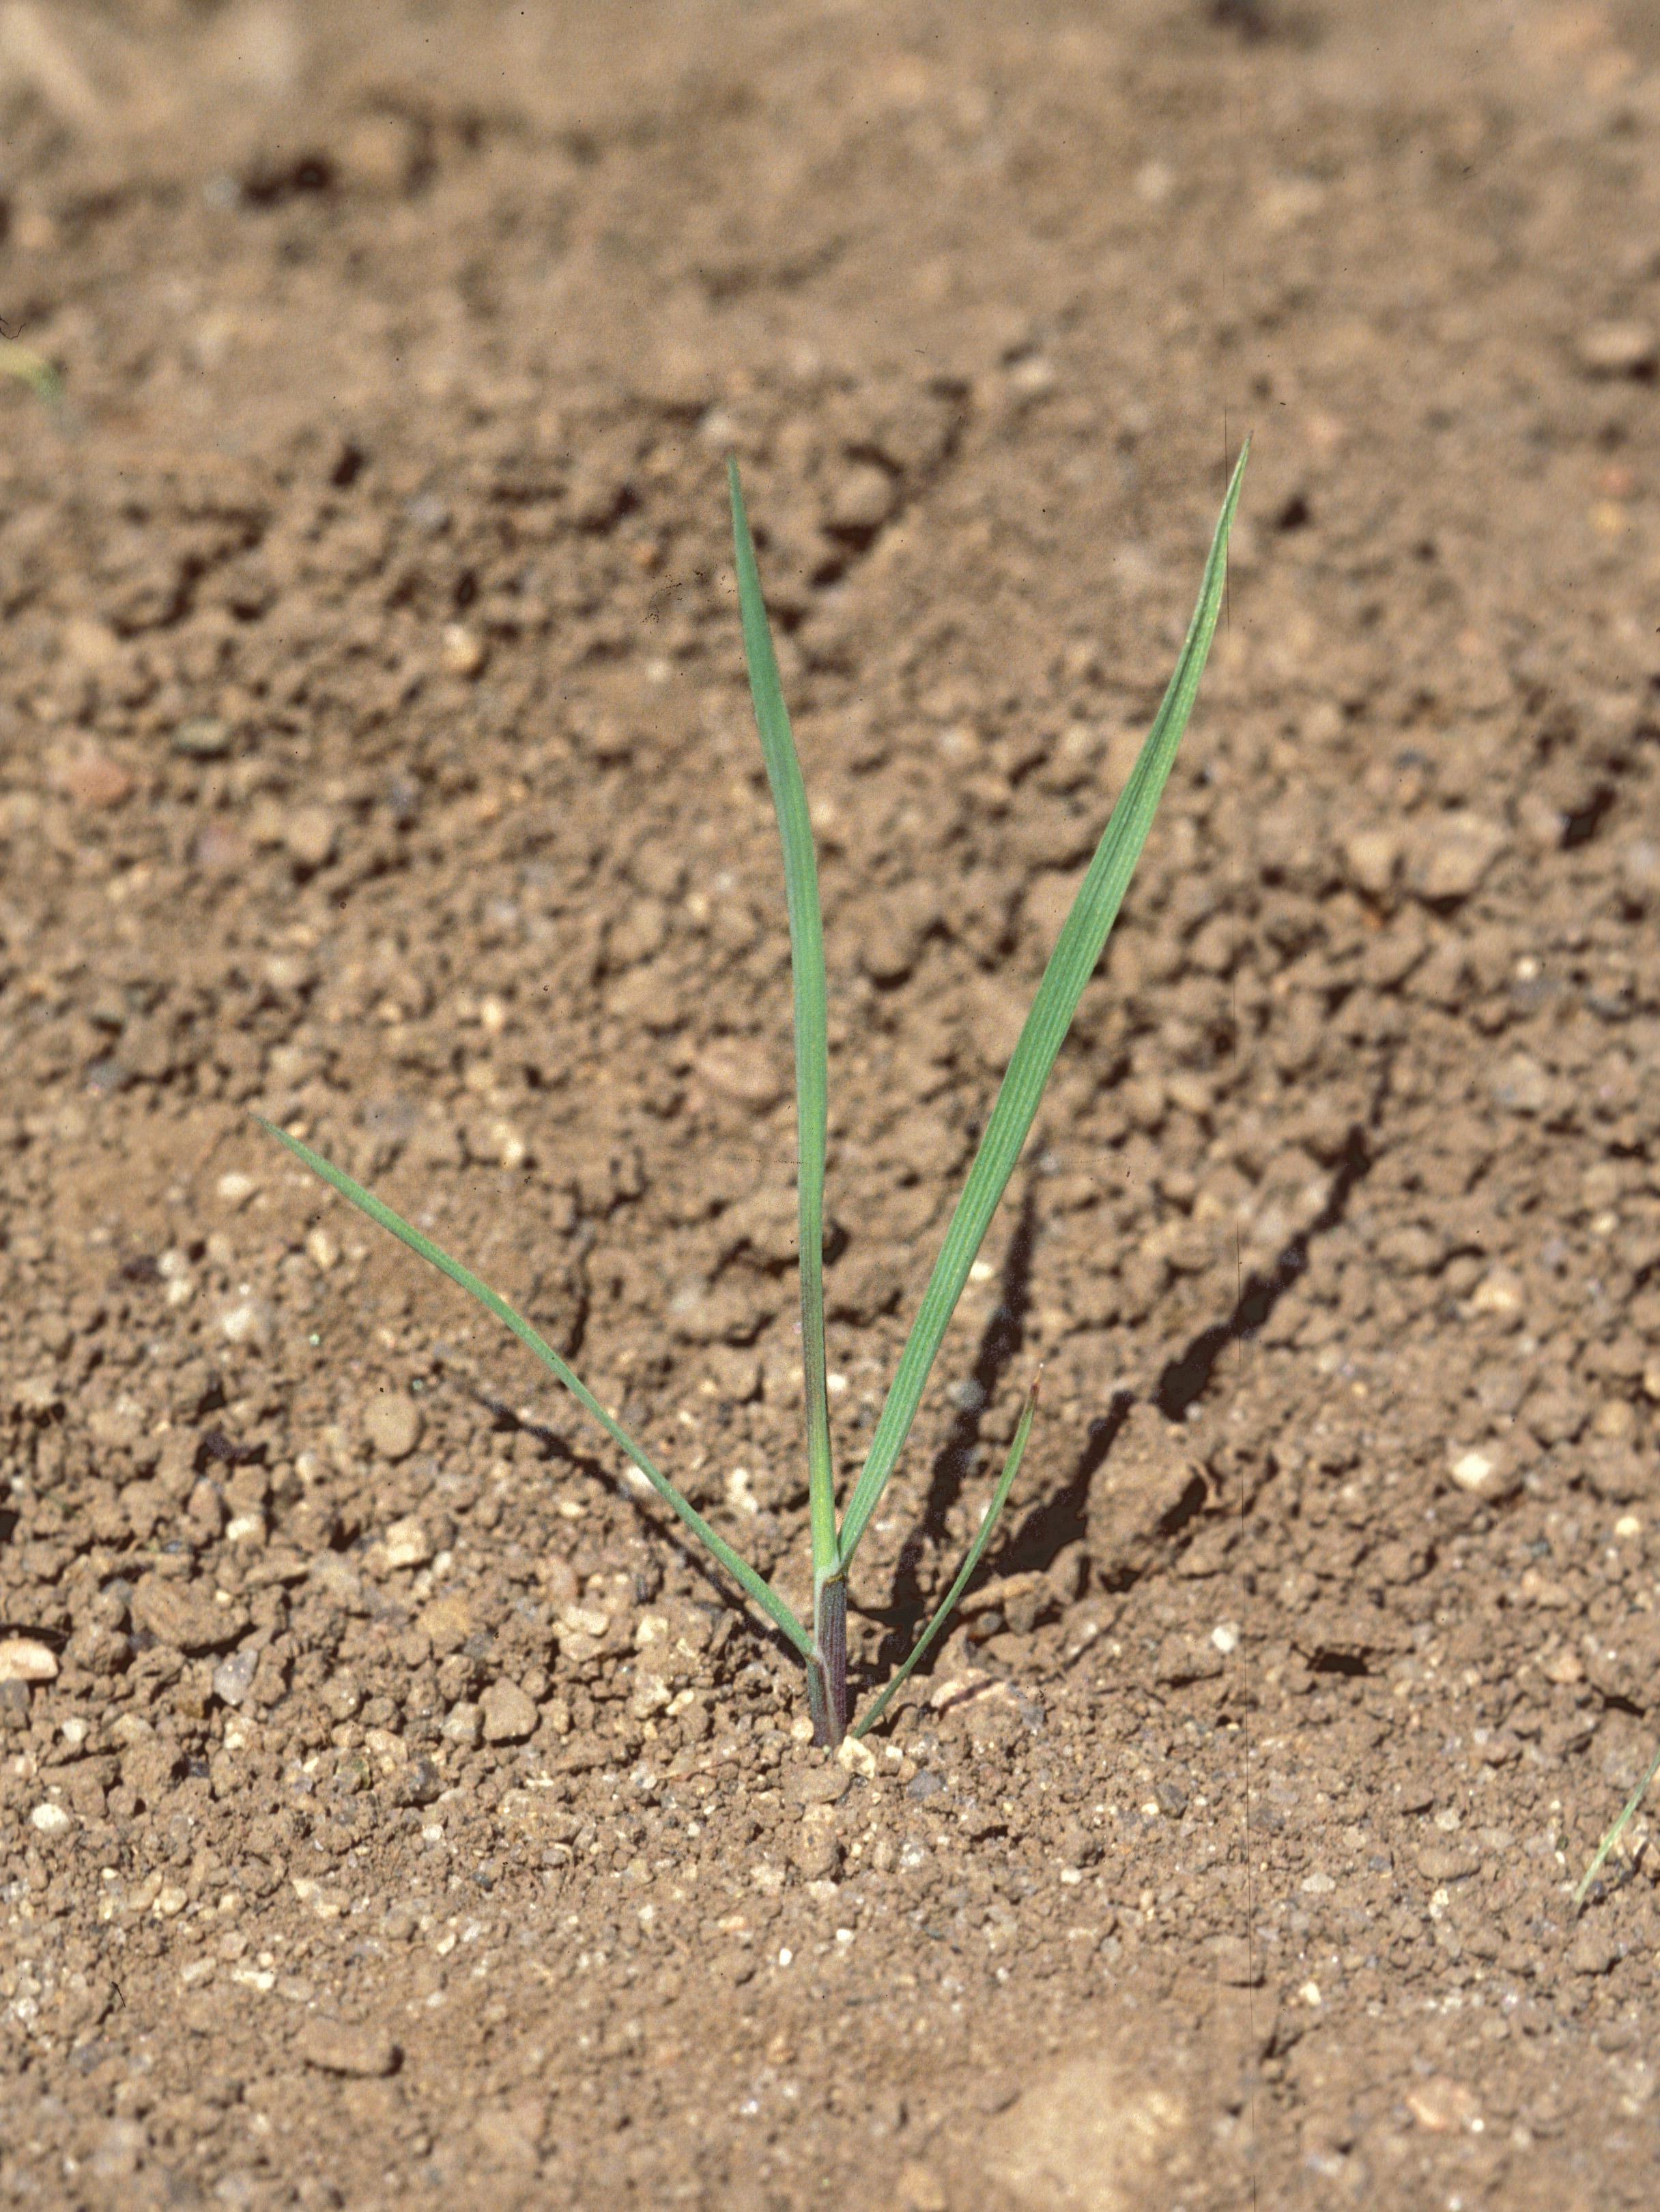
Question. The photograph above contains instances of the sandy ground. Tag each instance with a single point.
(409, 1817)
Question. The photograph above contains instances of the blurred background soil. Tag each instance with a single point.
(392, 1810)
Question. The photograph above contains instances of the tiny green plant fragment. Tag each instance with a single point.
(822, 1641)
(1609, 1842)
(977, 1551)
(29, 368)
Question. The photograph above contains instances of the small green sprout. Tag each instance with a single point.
(31, 368)
(1605, 1847)
(824, 1644)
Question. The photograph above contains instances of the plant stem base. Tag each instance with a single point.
(827, 1669)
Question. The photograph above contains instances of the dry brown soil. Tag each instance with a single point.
(412, 1818)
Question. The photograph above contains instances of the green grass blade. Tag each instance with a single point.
(31, 368)
(1071, 964)
(789, 798)
(1615, 1833)
(977, 1551)
(366, 1202)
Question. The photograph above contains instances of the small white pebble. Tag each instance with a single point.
(738, 1492)
(844, 1935)
(835, 1385)
(1309, 1993)
(854, 1756)
(247, 1320)
(508, 1146)
(1616, 349)
(1500, 1291)
(408, 1544)
(50, 1819)
(322, 1251)
(1225, 1637)
(1033, 374)
(463, 650)
(1317, 1884)
(1628, 1526)
(785, 1957)
(584, 1621)
(1473, 1471)
(24, 1660)
(235, 1188)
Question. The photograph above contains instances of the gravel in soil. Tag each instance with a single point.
(392, 1808)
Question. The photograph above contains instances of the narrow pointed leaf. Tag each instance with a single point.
(366, 1202)
(1000, 1499)
(789, 799)
(1614, 1833)
(1071, 964)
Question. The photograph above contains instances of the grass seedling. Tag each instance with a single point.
(823, 1643)
(1627, 1815)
